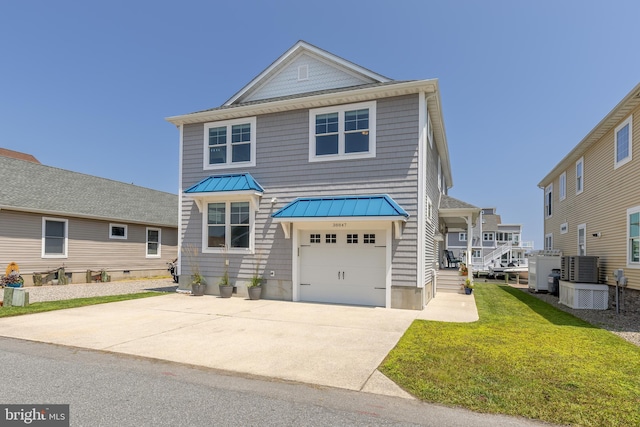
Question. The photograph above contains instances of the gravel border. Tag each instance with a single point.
(625, 325)
(85, 290)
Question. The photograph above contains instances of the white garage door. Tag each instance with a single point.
(345, 267)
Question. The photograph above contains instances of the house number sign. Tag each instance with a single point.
(339, 224)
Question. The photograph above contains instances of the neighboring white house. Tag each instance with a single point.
(328, 179)
(493, 243)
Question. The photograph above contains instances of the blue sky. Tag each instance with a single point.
(86, 86)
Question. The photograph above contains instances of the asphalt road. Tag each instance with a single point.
(105, 389)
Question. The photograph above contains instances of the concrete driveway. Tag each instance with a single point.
(330, 345)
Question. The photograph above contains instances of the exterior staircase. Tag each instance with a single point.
(449, 280)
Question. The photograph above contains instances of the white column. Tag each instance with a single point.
(469, 244)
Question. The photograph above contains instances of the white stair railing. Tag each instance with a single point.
(495, 254)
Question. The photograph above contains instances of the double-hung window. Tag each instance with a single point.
(623, 142)
(54, 237)
(342, 132)
(562, 191)
(580, 175)
(153, 242)
(230, 143)
(633, 237)
(228, 226)
(548, 199)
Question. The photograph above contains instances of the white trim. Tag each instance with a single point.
(146, 245)
(66, 237)
(296, 50)
(389, 269)
(423, 199)
(180, 187)
(564, 228)
(627, 122)
(562, 184)
(630, 264)
(112, 225)
(550, 237)
(228, 124)
(582, 227)
(580, 162)
(341, 109)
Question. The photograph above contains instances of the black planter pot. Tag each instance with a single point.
(226, 291)
(255, 292)
(197, 289)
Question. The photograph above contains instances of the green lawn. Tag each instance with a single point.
(39, 307)
(523, 357)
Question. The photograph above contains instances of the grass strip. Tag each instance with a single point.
(41, 307)
(523, 357)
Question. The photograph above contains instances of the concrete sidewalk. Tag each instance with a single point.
(329, 345)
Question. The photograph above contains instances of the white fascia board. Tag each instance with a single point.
(315, 101)
(292, 53)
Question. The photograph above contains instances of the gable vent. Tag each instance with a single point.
(303, 72)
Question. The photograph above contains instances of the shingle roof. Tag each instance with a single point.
(448, 202)
(342, 206)
(34, 187)
(222, 183)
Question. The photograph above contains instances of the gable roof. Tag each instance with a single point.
(619, 112)
(31, 187)
(4, 152)
(314, 55)
(342, 206)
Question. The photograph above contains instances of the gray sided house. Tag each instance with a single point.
(322, 177)
(52, 218)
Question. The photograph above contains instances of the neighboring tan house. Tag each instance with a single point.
(52, 218)
(592, 200)
(327, 179)
(493, 243)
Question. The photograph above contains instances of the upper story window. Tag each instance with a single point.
(548, 199)
(118, 231)
(633, 237)
(487, 237)
(580, 175)
(54, 237)
(623, 142)
(342, 132)
(562, 191)
(231, 143)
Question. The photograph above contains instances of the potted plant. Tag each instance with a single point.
(12, 280)
(226, 288)
(463, 269)
(197, 285)
(468, 287)
(254, 288)
(198, 282)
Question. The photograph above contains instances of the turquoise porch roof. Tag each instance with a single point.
(342, 206)
(223, 183)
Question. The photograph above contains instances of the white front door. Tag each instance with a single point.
(347, 267)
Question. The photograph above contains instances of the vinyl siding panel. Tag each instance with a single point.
(602, 206)
(89, 246)
(321, 76)
(284, 171)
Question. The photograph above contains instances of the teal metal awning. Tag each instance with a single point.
(226, 183)
(375, 206)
